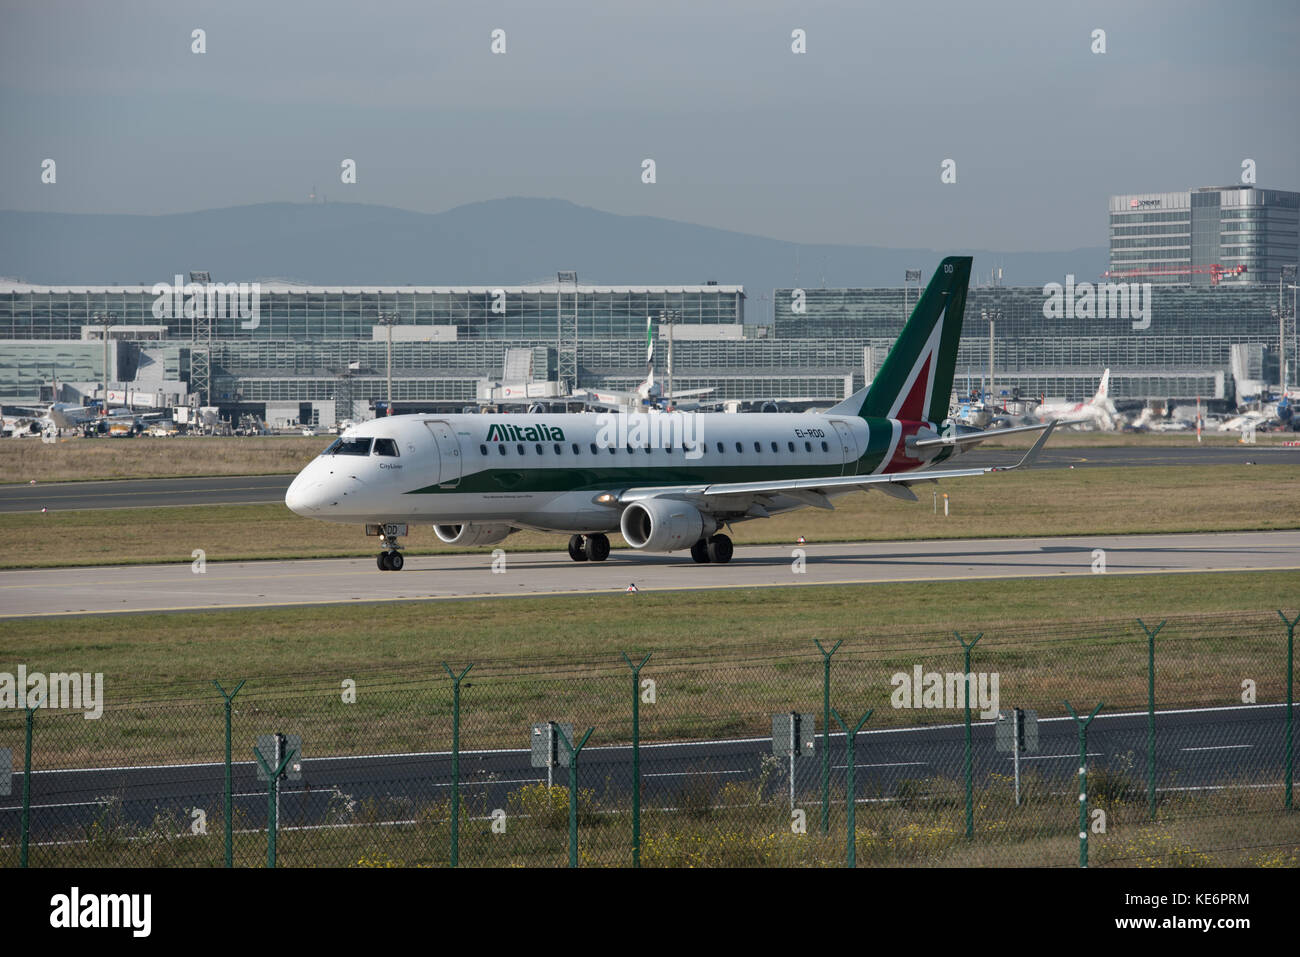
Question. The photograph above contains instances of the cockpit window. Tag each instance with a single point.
(353, 446)
(385, 447)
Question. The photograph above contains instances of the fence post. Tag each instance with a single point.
(272, 787)
(1083, 779)
(573, 790)
(1290, 698)
(455, 759)
(851, 851)
(1151, 715)
(970, 776)
(27, 782)
(636, 755)
(229, 789)
(826, 732)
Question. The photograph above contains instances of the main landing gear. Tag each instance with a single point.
(589, 548)
(716, 549)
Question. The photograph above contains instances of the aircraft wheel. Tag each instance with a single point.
(720, 549)
(382, 561)
(395, 561)
(597, 548)
(576, 550)
(700, 551)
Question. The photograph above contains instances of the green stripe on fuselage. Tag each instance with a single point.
(634, 474)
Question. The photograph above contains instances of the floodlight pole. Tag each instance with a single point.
(387, 320)
(105, 319)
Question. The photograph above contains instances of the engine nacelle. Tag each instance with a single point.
(662, 525)
(471, 534)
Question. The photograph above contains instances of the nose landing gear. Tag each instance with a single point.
(390, 559)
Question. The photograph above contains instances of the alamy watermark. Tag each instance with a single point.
(209, 300)
(946, 690)
(651, 430)
(1103, 300)
(62, 691)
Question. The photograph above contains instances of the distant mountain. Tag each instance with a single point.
(506, 241)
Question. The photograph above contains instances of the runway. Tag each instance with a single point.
(179, 587)
(270, 489)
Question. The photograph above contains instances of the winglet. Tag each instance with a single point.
(1032, 455)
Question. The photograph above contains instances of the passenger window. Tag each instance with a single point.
(791, 445)
(825, 447)
(720, 448)
(482, 450)
(502, 448)
(758, 448)
(807, 446)
(386, 447)
(593, 448)
(739, 447)
(538, 446)
(575, 448)
(774, 448)
(520, 448)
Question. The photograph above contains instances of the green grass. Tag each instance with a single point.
(723, 661)
(1049, 502)
(77, 459)
(736, 824)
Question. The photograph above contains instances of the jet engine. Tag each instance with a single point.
(663, 525)
(471, 534)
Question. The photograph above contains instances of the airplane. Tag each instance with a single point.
(666, 481)
(648, 393)
(1098, 412)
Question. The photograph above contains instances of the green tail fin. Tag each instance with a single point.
(915, 382)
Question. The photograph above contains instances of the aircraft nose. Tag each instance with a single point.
(305, 495)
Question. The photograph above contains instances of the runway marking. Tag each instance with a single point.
(618, 590)
(1219, 747)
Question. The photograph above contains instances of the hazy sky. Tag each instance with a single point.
(841, 144)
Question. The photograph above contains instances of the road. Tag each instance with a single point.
(1196, 750)
(177, 587)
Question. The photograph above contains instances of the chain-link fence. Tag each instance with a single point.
(682, 766)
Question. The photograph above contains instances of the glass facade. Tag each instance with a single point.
(1174, 238)
(328, 313)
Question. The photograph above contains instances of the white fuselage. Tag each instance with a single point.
(546, 471)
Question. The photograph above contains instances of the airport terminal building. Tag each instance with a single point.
(1199, 298)
(314, 354)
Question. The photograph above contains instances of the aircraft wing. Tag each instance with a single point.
(975, 437)
(813, 491)
(684, 394)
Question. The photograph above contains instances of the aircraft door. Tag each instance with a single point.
(448, 454)
(849, 453)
